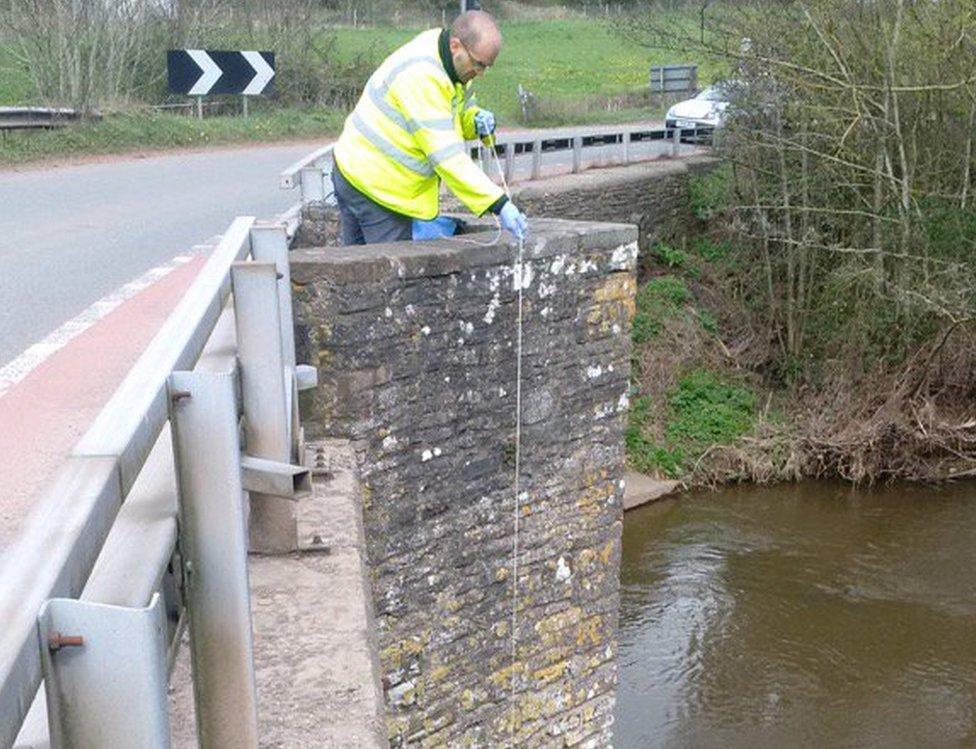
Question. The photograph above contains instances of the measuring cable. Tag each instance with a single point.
(518, 275)
(519, 278)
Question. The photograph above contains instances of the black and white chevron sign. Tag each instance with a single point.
(198, 72)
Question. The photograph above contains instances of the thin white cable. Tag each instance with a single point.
(519, 276)
(501, 172)
(518, 467)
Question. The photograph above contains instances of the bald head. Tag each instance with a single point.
(475, 43)
(474, 27)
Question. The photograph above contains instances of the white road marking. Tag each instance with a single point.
(35, 355)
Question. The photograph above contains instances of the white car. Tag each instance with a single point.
(705, 112)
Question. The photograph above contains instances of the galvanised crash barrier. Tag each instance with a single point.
(144, 528)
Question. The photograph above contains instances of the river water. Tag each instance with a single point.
(809, 615)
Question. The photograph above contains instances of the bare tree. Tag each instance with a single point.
(110, 53)
(83, 53)
(851, 145)
(853, 136)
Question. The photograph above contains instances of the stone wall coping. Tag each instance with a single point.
(592, 179)
(379, 262)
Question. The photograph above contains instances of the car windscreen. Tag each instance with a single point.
(715, 93)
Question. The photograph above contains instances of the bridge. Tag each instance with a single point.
(364, 401)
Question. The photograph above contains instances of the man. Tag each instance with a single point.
(407, 134)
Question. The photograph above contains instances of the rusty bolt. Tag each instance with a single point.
(56, 641)
(179, 395)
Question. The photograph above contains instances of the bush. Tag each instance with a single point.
(709, 193)
(669, 256)
(86, 55)
(708, 322)
(642, 452)
(711, 250)
(660, 297)
(706, 411)
(703, 411)
(111, 55)
(668, 290)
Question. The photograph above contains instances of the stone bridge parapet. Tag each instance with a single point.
(415, 344)
(652, 195)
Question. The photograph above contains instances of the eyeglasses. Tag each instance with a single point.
(479, 65)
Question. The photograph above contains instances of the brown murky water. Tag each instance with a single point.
(808, 615)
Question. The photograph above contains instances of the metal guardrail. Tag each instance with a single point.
(307, 168)
(26, 118)
(94, 591)
(310, 172)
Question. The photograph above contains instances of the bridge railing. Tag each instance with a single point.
(527, 152)
(144, 527)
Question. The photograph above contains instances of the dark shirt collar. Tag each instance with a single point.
(444, 47)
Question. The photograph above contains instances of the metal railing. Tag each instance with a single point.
(527, 153)
(32, 118)
(144, 527)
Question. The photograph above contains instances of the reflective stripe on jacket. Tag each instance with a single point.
(408, 130)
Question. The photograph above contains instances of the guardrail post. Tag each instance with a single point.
(268, 398)
(675, 141)
(577, 153)
(105, 673)
(509, 161)
(312, 182)
(269, 244)
(536, 159)
(206, 448)
(626, 146)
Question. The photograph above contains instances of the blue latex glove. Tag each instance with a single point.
(484, 122)
(442, 226)
(513, 220)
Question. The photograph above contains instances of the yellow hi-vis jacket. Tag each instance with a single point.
(407, 133)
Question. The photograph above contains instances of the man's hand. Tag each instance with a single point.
(484, 122)
(513, 220)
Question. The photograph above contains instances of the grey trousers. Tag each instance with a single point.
(365, 221)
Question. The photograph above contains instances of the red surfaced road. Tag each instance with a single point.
(44, 415)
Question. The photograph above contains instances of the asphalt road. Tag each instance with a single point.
(70, 235)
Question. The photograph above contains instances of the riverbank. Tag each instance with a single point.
(716, 400)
